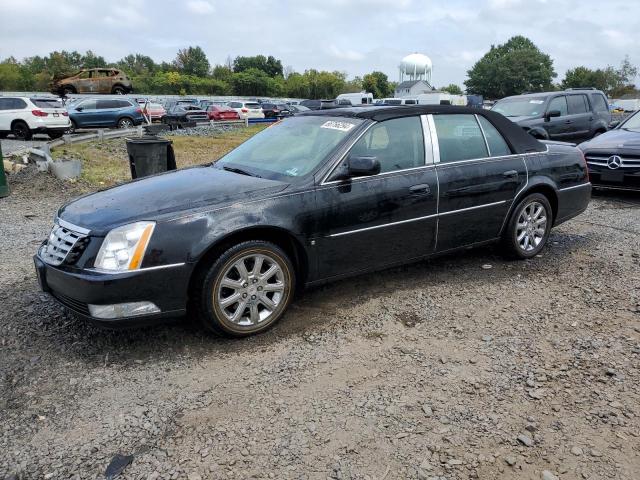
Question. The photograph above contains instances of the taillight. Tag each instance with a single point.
(138, 110)
(39, 113)
(244, 110)
(65, 114)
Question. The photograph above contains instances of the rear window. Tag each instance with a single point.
(459, 138)
(235, 105)
(410, 102)
(46, 102)
(252, 105)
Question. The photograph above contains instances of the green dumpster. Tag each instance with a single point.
(4, 188)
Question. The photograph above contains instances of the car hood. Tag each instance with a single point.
(160, 196)
(614, 139)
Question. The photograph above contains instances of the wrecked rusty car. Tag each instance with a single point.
(95, 80)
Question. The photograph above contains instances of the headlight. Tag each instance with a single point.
(124, 247)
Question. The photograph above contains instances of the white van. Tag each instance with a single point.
(397, 101)
(442, 98)
(362, 98)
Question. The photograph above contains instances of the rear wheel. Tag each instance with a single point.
(118, 90)
(125, 122)
(21, 130)
(245, 291)
(529, 227)
(73, 127)
(68, 90)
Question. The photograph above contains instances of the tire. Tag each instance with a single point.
(54, 135)
(525, 224)
(118, 90)
(125, 122)
(226, 318)
(73, 127)
(21, 130)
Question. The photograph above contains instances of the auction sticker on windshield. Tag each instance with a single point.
(342, 126)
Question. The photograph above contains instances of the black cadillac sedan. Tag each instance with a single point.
(316, 197)
(614, 156)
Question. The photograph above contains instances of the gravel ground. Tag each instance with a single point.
(467, 366)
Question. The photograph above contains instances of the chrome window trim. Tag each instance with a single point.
(484, 135)
(434, 138)
(324, 182)
(374, 227)
(428, 141)
(334, 183)
(72, 227)
(146, 269)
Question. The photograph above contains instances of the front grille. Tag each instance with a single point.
(602, 159)
(63, 246)
(72, 304)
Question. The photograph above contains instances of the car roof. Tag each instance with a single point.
(520, 141)
(558, 92)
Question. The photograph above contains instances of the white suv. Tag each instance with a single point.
(24, 116)
(247, 109)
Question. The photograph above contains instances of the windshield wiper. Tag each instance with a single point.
(240, 171)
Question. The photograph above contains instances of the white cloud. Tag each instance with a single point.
(345, 54)
(200, 7)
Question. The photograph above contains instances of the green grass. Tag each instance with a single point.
(106, 163)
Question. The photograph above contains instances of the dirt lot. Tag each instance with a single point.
(445, 369)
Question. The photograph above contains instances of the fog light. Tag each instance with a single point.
(120, 310)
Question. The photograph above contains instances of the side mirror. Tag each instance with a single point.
(79, 109)
(614, 124)
(553, 113)
(362, 166)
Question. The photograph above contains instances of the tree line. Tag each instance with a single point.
(191, 73)
(519, 66)
(515, 67)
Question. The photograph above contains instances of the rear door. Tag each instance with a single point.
(369, 222)
(580, 117)
(558, 127)
(478, 175)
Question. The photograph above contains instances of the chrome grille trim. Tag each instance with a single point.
(62, 243)
(601, 160)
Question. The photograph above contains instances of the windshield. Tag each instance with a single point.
(632, 123)
(291, 148)
(520, 107)
(46, 102)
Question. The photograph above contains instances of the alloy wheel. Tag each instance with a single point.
(251, 290)
(125, 123)
(531, 226)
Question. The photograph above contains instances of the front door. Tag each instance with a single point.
(479, 177)
(558, 128)
(370, 222)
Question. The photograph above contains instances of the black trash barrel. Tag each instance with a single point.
(149, 155)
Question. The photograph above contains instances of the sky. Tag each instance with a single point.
(354, 36)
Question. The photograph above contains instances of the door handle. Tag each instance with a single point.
(422, 189)
(510, 174)
(567, 121)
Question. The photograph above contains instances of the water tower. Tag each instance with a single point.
(416, 67)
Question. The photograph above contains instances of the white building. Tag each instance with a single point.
(412, 88)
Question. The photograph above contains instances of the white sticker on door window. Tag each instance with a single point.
(537, 102)
(342, 126)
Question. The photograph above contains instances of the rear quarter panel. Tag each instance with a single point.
(562, 168)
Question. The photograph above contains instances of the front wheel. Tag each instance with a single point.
(245, 291)
(529, 227)
(118, 90)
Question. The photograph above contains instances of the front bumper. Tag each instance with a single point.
(620, 179)
(166, 287)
